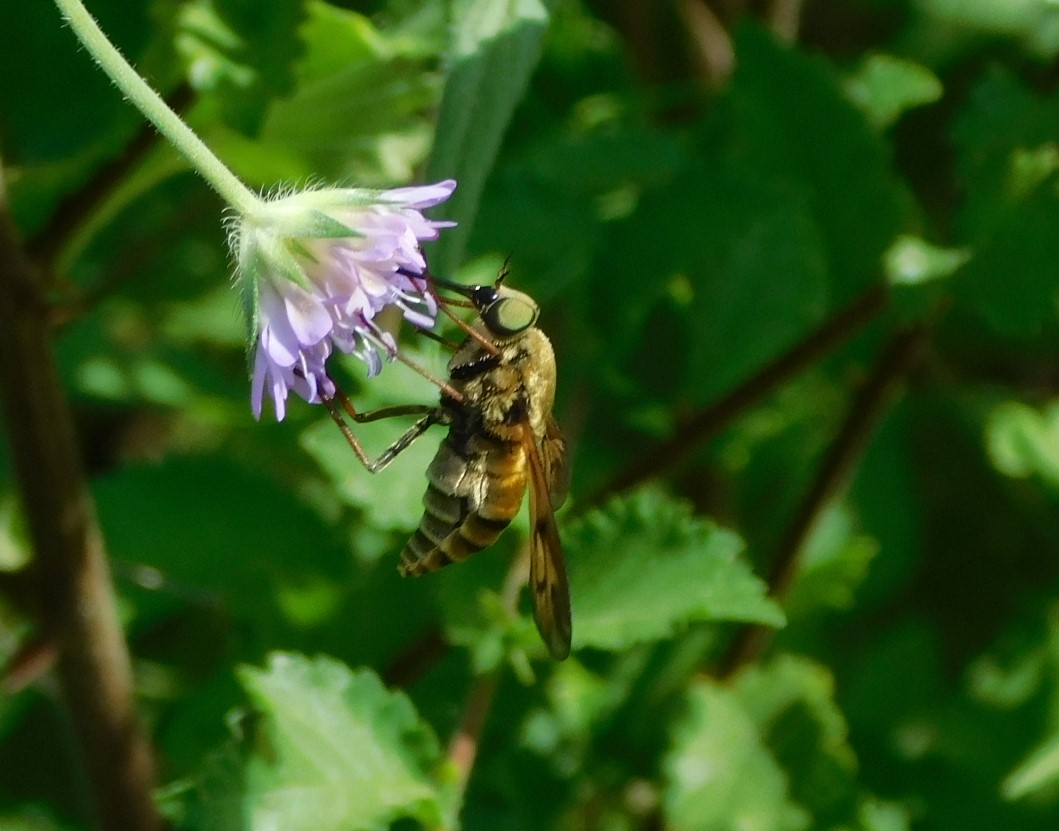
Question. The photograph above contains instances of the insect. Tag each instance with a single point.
(502, 441)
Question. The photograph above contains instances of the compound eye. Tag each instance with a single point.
(510, 315)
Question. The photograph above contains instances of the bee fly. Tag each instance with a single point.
(502, 437)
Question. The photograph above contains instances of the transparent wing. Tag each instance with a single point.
(551, 592)
(556, 463)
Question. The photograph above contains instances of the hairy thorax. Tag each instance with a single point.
(507, 390)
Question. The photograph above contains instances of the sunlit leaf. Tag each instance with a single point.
(495, 47)
(835, 562)
(241, 51)
(911, 260)
(1037, 772)
(1024, 442)
(359, 110)
(331, 748)
(792, 701)
(644, 568)
(719, 775)
(885, 87)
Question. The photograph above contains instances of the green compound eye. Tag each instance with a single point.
(510, 314)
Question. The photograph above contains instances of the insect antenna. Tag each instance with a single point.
(505, 270)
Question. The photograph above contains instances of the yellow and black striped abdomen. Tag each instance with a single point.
(474, 493)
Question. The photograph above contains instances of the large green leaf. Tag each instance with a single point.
(792, 702)
(1024, 442)
(332, 750)
(361, 108)
(885, 86)
(718, 774)
(788, 117)
(215, 533)
(495, 47)
(1008, 160)
(242, 51)
(644, 568)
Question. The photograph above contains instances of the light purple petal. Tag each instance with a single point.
(309, 320)
(422, 196)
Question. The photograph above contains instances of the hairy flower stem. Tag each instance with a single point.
(155, 110)
(72, 600)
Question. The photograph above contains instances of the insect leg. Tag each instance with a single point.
(433, 416)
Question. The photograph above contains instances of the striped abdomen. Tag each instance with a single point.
(474, 493)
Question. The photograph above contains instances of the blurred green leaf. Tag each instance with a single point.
(1008, 159)
(911, 261)
(190, 518)
(332, 749)
(359, 108)
(719, 776)
(242, 51)
(1024, 442)
(1036, 22)
(886, 87)
(699, 310)
(495, 47)
(792, 701)
(404, 481)
(32, 819)
(835, 562)
(778, 105)
(644, 568)
(1036, 773)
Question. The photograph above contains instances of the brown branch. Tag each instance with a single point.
(842, 457)
(713, 45)
(463, 747)
(75, 606)
(784, 20)
(715, 417)
(68, 215)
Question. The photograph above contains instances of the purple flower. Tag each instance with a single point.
(317, 267)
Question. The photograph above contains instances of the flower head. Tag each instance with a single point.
(316, 268)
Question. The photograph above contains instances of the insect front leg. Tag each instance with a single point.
(433, 415)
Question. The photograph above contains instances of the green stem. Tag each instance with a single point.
(150, 103)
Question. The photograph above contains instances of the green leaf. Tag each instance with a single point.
(1008, 160)
(699, 311)
(911, 260)
(196, 520)
(644, 567)
(1039, 771)
(403, 481)
(886, 87)
(792, 702)
(1024, 442)
(834, 564)
(718, 774)
(333, 749)
(243, 51)
(361, 109)
(1035, 22)
(827, 148)
(495, 48)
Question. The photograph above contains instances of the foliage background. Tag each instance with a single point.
(813, 286)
